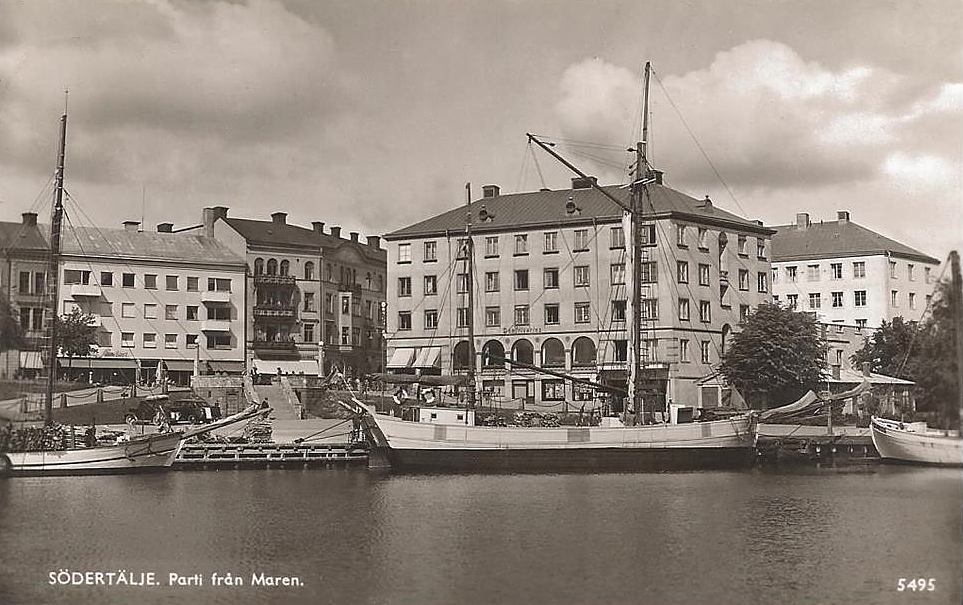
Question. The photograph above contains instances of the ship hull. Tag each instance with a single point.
(413, 446)
(154, 453)
(895, 444)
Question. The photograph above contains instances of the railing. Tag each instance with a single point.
(282, 280)
(282, 345)
(291, 397)
(278, 310)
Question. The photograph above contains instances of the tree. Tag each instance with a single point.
(886, 352)
(776, 358)
(75, 334)
(11, 335)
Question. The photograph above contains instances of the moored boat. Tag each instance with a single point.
(147, 453)
(915, 443)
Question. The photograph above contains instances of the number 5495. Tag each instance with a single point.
(916, 584)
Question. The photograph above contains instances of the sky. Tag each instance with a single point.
(373, 114)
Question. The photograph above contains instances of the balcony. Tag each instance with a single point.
(274, 345)
(277, 310)
(275, 280)
(215, 296)
(84, 291)
(216, 325)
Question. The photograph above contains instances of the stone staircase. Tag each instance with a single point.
(284, 409)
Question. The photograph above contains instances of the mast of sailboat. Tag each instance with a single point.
(638, 189)
(956, 307)
(53, 277)
(469, 264)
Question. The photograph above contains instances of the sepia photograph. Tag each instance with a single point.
(481, 302)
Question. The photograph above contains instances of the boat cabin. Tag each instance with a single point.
(440, 415)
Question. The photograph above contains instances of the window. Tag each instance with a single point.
(553, 390)
(24, 282)
(171, 283)
(926, 274)
(892, 269)
(859, 298)
(703, 275)
(618, 273)
(461, 247)
(550, 239)
(492, 282)
(191, 313)
(621, 350)
(648, 235)
(346, 335)
(836, 270)
(680, 235)
(219, 313)
(106, 278)
(521, 279)
(404, 286)
(703, 236)
(618, 310)
(910, 273)
(521, 244)
(775, 275)
(683, 350)
(682, 271)
(792, 300)
(743, 313)
(127, 310)
(551, 314)
(193, 284)
(491, 245)
(431, 285)
(285, 268)
(170, 341)
(431, 252)
(684, 309)
(894, 298)
(150, 340)
(617, 237)
(150, 281)
(127, 340)
(218, 341)
(127, 280)
(912, 300)
(837, 300)
(742, 244)
(461, 283)
(431, 319)
(309, 274)
(815, 300)
(649, 273)
(859, 269)
(705, 311)
(743, 279)
(345, 305)
(860, 324)
(550, 279)
(650, 308)
(404, 321)
(170, 312)
(581, 276)
(790, 274)
(461, 317)
(583, 313)
(839, 357)
(705, 344)
(190, 341)
(760, 249)
(218, 284)
(404, 253)
(309, 302)
(812, 272)
(105, 339)
(76, 276)
(308, 331)
(581, 240)
(762, 282)
(150, 311)
(521, 315)
(493, 316)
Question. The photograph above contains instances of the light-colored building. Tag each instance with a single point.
(848, 274)
(551, 289)
(155, 296)
(23, 277)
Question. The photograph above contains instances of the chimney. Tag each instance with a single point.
(318, 226)
(336, 231)
(165, 227)
(131, 226)
(490, 190)
(354, 236)
(29, 219)
(758, 222)
(279, 218)
(374, 241)
(657, 175)
(843, 216)
(210, 216)
(584, 182)
(802, 220)
(865, 367)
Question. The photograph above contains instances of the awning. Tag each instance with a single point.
(181, 365)
(99, 363)
(31, 360)
(228, 367)
(427, 357)
(401, 358)
(270, 366)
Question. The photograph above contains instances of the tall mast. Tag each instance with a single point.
(956, 306)
(53, 277)
(469, 264)
(638, 188)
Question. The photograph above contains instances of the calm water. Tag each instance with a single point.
(803, 536)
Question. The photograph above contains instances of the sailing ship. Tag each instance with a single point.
(446, 441)
(915, 442)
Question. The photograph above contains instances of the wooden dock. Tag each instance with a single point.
(199, 456)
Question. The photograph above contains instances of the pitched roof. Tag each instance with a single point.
(283, 234)
(17, 236)
(190, 247)
(836, 239)
(538, 208)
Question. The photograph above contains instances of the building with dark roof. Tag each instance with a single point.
(314, 298)
(848, 274)
(551, 288)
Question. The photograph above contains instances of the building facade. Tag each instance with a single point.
(23, 277)
(847, 274)
(551, 285)
(176, 298)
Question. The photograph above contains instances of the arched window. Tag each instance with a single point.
(309, 270)
(460, 356)
(553, 353)
(272, 267)
(285, 265)
(523, 351)
(258, 266)
(492, 354)
(583, 352)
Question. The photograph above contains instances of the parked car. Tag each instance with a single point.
(193, 410)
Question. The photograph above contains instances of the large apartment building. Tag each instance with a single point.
(176, 298)
(23, 277)
(550, 288)
(848, 274)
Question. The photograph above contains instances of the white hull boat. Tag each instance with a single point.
(915, 443)
(148, 453)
